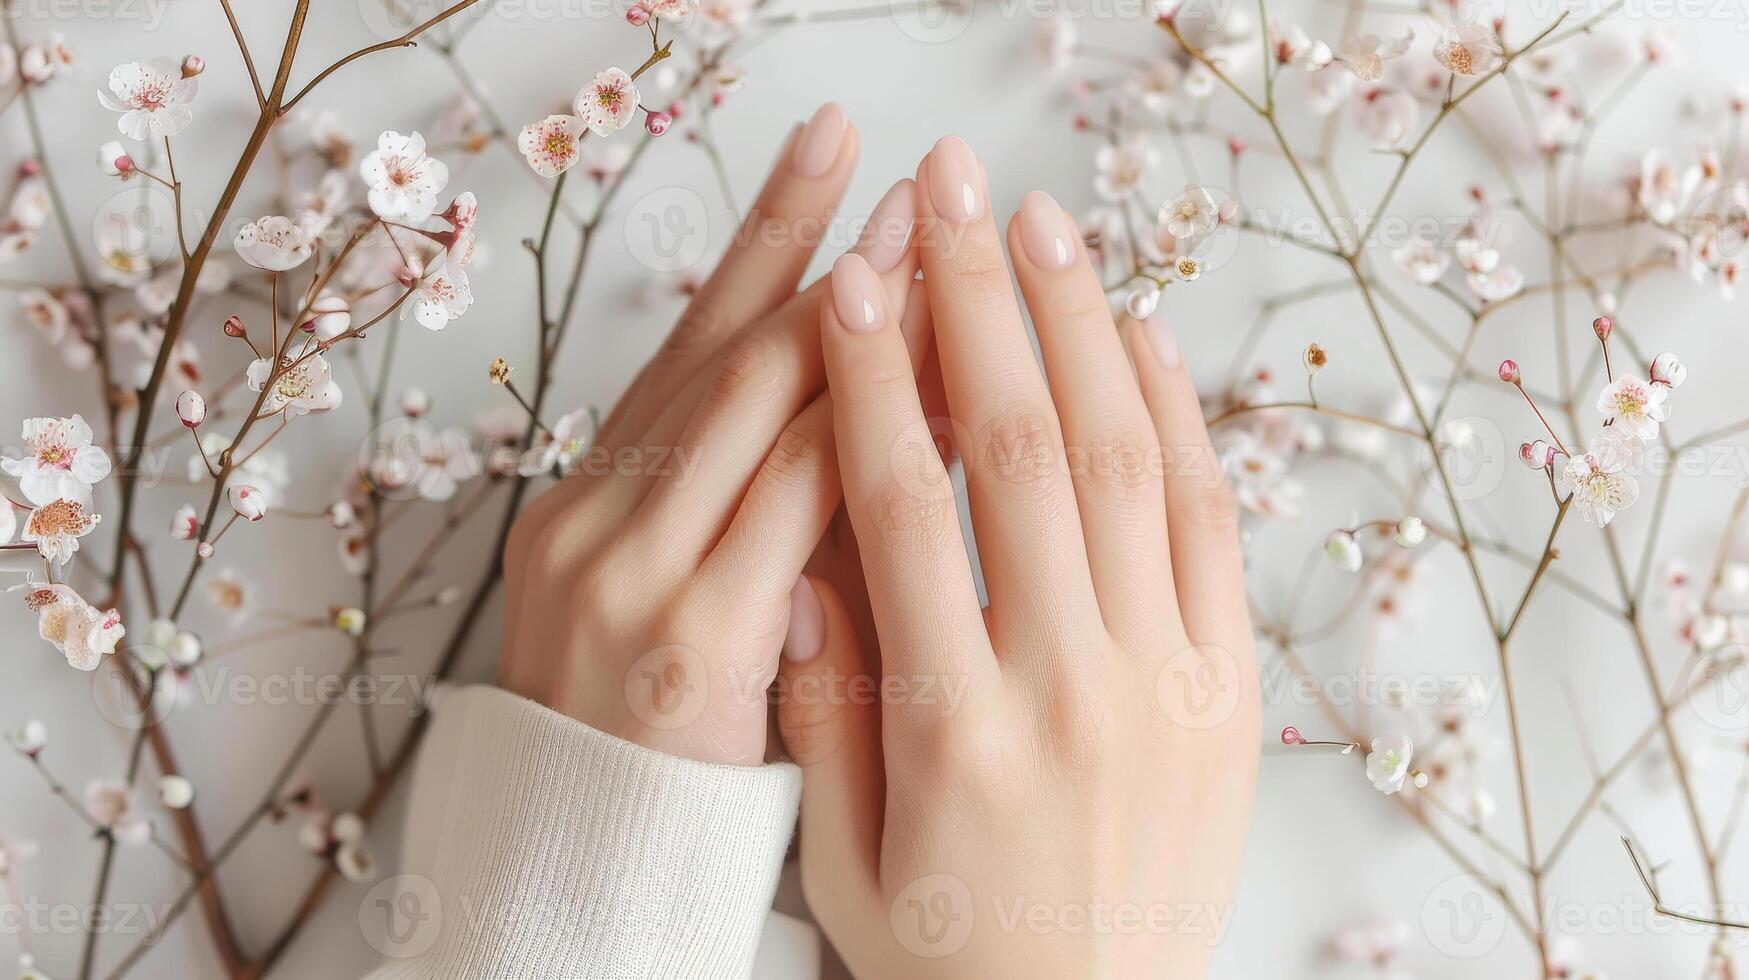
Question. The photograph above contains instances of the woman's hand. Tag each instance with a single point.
(649, 595)
(1058, 784)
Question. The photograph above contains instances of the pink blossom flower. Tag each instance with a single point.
(46, 313)
(79, 631)
(551, 146)
(1634, 406)
(56, 527)
(1190, 214)
(273, 244)
(247, 502)
(111, 803)
(185, 523)
(1385, 116)
(152, 97)
(1598, 480)
(63, 464)
(607, 103)
(1366, 54)
(229, 594)
(1122, 168)
(1421, 262)
(402, 181)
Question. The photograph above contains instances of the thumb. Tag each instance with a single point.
(829, 716)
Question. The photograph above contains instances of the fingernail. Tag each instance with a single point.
(856, 294)
(1163, 341)
(955, 191)
(888, 230)
(817, 147)
(807, 624)
(1043, 232)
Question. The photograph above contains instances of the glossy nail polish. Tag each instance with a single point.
(888, 230)
(1044, 233)
(856, 294)
(821, 139)
(956, 191)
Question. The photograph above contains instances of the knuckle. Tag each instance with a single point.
(797, 458)
(1078, 723)
(1016, 447)
(812, 730)
(909, 524)
(964, 750)
(1119, 462)
(1079, 311)
(1214, 510)
(753, 367)
(698, 332)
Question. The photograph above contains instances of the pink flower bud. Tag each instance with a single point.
(1668, 371)
(30, 168)
(1509, 372)
(1601, 327)
(204, 550)
(1291, 736)
(193, 65)
(1236, 145)
(657, 123)
(638, 15)
(124, 164)
(234, 326)
(249, 503)
(1537, 455)
(191, 408)
(185, 524)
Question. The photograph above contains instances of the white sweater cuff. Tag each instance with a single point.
(555, 850)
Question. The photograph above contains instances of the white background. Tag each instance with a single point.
(1326, 851)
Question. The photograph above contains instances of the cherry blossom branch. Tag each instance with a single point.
(404, 41)
(243, 49)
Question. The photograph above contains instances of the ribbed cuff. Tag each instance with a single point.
(555, 850)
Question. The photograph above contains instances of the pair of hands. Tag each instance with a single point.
(1057, 784)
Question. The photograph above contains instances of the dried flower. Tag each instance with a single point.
(499, 372)
(1314, 357)
(56, 527)
(1468, 49)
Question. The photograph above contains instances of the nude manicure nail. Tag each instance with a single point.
(856, 294)
(817, 148)
(807, 623)
(1043, 232)
(1163, 341)
(888, 230)
(955, 190)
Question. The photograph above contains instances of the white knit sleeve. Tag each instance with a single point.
(537, 846)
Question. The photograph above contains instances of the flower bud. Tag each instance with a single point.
(249, 503)
(637, 15)
(191, 408)
(1315, 358)
(204, 549)
(1668, 371)
(113, 158)
(1601, 327)
(350, 620)
(234, 326)
(1509, 372)
(185, 523)
(176, 792)
(1236, 145)
(1291, 736)
(415, 402)
(330, 316)
(1410, 531)
(193, 65)
(1142, 300)
(657, 123)
(341, 515)
(1537, 455)
(1344, 550)
(185, 650)
(29, 737)
(347, 827)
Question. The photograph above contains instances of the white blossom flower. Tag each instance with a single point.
(273, 244)
(229, 593)
(56, 527)
(247, 502)
(560, 448)
(354, 862)
(1156, 86)
(1366, 54)
(1421, 262)
(79, 631)
(1190, 214)
(607, 103)
(441, 293)
(1634, 406)
(46, 313)
(303, 385)
(330, 316)
(175, 792)
(402, 181)
(185, 523)
(1385, 116)
(152, 97)
(1598, 480)
(1468, 49)
(1664, 191)
(1410, 532)
(111, 803)
(63, 464)
(1503, 281)
(552, 145)
(1122, 167)
(1388, 762)
(1374, 944)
